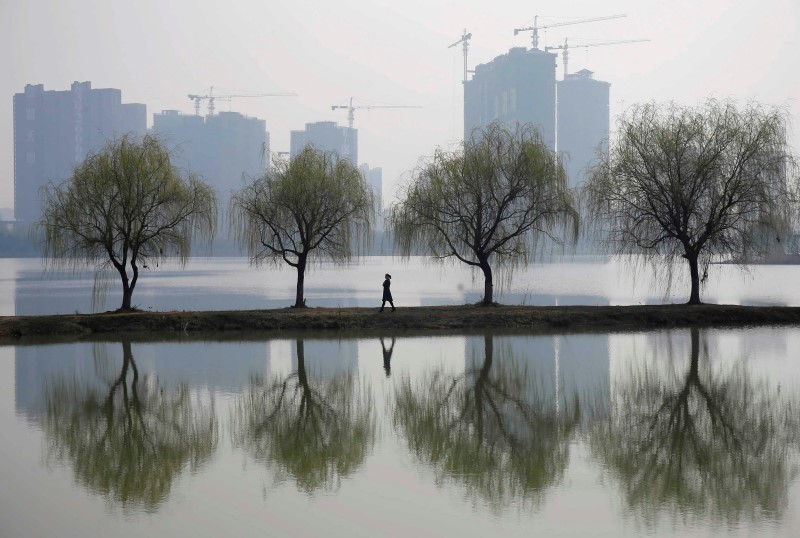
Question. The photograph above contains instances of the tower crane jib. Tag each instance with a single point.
(535, 28)
(351, 109)
(565, 49)
(211, 97)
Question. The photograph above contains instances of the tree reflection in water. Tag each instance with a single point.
(488, 429)
(698, 444)
(130, 440)
(314, 431)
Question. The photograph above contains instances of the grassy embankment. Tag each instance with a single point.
(428, 318)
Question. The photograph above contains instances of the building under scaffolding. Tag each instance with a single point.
(514, 88)
(223, 148)
(582, 122)
(326, 136)
(519, 88)
(56, 130)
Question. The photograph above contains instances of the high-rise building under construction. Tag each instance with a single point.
(223, 148)
(56, 130)
(515, 89)
(326, 136)
(519, 88)
(582, 122)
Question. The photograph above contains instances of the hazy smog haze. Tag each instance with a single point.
(384, 52)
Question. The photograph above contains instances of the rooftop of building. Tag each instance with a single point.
(516, 54)
(584, 75)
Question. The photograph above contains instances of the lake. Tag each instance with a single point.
(230, 283)
(666, 433)
(663, 433)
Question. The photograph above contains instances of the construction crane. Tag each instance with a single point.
(565, 48)
(351, 109)
(465, 37)
(535, 28)
(211, 97)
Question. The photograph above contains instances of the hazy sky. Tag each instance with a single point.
(384, 52)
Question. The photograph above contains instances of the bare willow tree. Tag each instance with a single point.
(125, 207)
(315, 203)
(712, 183)
(489, 202)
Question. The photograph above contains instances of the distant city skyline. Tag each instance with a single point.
(55, 130)
(157, 53)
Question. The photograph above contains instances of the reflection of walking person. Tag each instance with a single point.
(387, 356)
(387, 294)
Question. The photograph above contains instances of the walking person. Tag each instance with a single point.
(387, 294)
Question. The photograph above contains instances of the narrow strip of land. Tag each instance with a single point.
(466, 317)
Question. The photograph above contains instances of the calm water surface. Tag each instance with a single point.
(669, 433)
(230, 283)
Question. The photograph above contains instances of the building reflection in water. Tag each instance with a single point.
(225, 366)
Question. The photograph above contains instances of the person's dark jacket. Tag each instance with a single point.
(387, 295)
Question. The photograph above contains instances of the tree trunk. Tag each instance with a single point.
(134, 278)
(127, 290)
(299, 301)
(127, 293)
(488, 286)
(694, 298)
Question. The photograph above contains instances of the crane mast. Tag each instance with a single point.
(465, 37)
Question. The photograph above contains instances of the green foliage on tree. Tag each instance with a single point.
(487, 204)
(125, 207)
(313, 206)
(711, 183)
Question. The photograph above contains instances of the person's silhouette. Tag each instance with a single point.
(387, 356)
(387, 294)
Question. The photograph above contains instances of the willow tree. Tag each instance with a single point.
(489, 202)
(712, 183)
(125, 207)
(313, 204)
